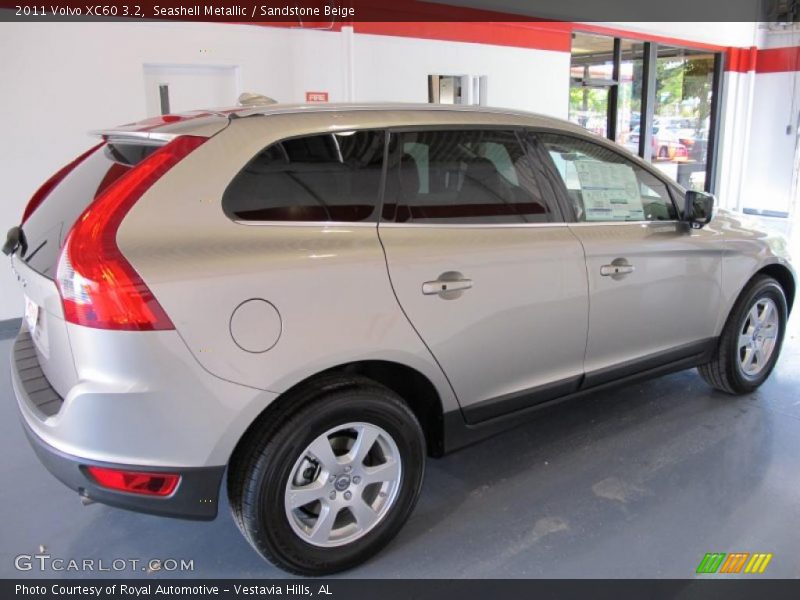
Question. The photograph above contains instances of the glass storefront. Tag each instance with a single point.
(619, 86)
(629, 100)
(591, 79)
(682, 115)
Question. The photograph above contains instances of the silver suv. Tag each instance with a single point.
(316, 298)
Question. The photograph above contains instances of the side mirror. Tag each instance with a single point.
(699, 209)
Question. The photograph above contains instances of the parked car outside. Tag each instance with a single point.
(666, 144)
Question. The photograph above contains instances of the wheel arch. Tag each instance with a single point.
(779, 272)
(785, 279)
(411, 385)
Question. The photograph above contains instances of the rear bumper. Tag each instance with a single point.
(171, 427)
(196, 496)
(138, 398)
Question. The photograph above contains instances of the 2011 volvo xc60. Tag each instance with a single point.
(310, 300)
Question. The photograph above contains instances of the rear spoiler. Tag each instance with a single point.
(134, 136)
(160, 130)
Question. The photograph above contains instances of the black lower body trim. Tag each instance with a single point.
(489, 409)
(699, 352)
(195, 498)
(37, 390)
(460, 430)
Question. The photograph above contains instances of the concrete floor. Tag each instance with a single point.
(637, 482)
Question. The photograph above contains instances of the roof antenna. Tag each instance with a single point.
(251, 99)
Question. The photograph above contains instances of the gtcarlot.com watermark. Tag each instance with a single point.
(46, 563)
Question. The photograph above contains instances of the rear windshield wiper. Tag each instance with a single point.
(29, 257)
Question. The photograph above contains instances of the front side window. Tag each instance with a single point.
(602, 185)
(461, 177)
(328, 177)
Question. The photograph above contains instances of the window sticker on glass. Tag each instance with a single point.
(610, 191)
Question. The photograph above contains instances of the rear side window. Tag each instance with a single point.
(462, 177)
(329, 177)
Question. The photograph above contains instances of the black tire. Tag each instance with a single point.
(263, 463)
(724, 371)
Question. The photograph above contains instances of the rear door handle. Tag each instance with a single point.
(429, 288)
(616, 270)
(450, 285)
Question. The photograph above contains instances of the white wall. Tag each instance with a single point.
(770, 180)
(396, 69)
(771, 166)
(778, 36)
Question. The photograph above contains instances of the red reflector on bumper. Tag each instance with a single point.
(135, 482)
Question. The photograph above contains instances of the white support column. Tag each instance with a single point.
(348, 66)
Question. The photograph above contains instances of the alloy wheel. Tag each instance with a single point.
(343, 484)
(758, 337)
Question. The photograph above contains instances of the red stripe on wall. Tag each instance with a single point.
(539, 35)
(778, 60)
(741, 60)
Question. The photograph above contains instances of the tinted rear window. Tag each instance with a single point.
(49, 225)
(330, 177)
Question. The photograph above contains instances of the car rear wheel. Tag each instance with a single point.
(751, 340)
(333, 484)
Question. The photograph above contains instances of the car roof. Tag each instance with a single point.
(469, 113)
(211, 120)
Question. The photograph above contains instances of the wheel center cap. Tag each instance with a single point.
(342, 483)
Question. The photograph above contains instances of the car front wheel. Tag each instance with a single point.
(751, 340)
(334, 483)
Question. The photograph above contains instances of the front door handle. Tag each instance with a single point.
(616, 269)
(449, 285)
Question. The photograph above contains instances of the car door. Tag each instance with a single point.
(654, 283)
(484, 267)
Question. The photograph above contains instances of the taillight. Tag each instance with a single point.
(135, 482)
(47, 187)
(98, 286)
